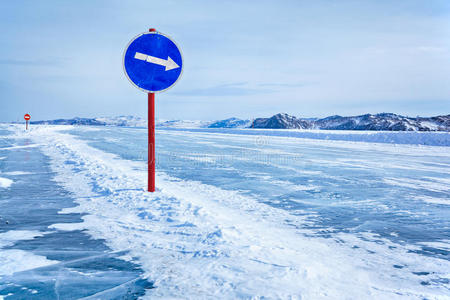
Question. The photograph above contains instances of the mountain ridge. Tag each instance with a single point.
(371, 122)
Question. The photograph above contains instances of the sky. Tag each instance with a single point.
(246, 59)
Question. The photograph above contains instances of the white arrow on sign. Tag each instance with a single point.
(169, 63)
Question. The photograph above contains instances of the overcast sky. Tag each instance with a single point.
(245, 59)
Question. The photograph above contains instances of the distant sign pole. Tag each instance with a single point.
(153, 63)
(27, 117)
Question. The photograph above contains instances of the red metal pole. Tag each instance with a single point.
(151, 142)
(151, 138)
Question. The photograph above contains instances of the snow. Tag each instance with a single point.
(9, 237)
(12, 261)
(201, 240)
(5, 182)
(433, 200)
(434, 186)
(17, 173)
(431, 125)
(443, 245)
(20, 147)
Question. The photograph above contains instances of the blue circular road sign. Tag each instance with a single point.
(152, 62)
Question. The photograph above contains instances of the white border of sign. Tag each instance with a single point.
(125, 52)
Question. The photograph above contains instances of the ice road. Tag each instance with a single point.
(234, 216)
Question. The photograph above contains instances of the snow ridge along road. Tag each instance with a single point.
(198, 241)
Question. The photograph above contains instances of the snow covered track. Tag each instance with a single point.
(197, 241)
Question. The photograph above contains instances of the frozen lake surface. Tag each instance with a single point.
(236, 215)
(39, 262)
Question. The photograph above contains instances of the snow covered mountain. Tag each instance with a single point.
(125, 121)
(74, 121)
(230, 123)
(383, 121)
(128, 121)
(281, 121)
(132, 121)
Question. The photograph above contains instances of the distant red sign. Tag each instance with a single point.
(27, 117)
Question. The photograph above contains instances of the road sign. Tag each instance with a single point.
(152, 62)
(27, 117)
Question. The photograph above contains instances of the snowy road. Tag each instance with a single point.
(237, 216)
